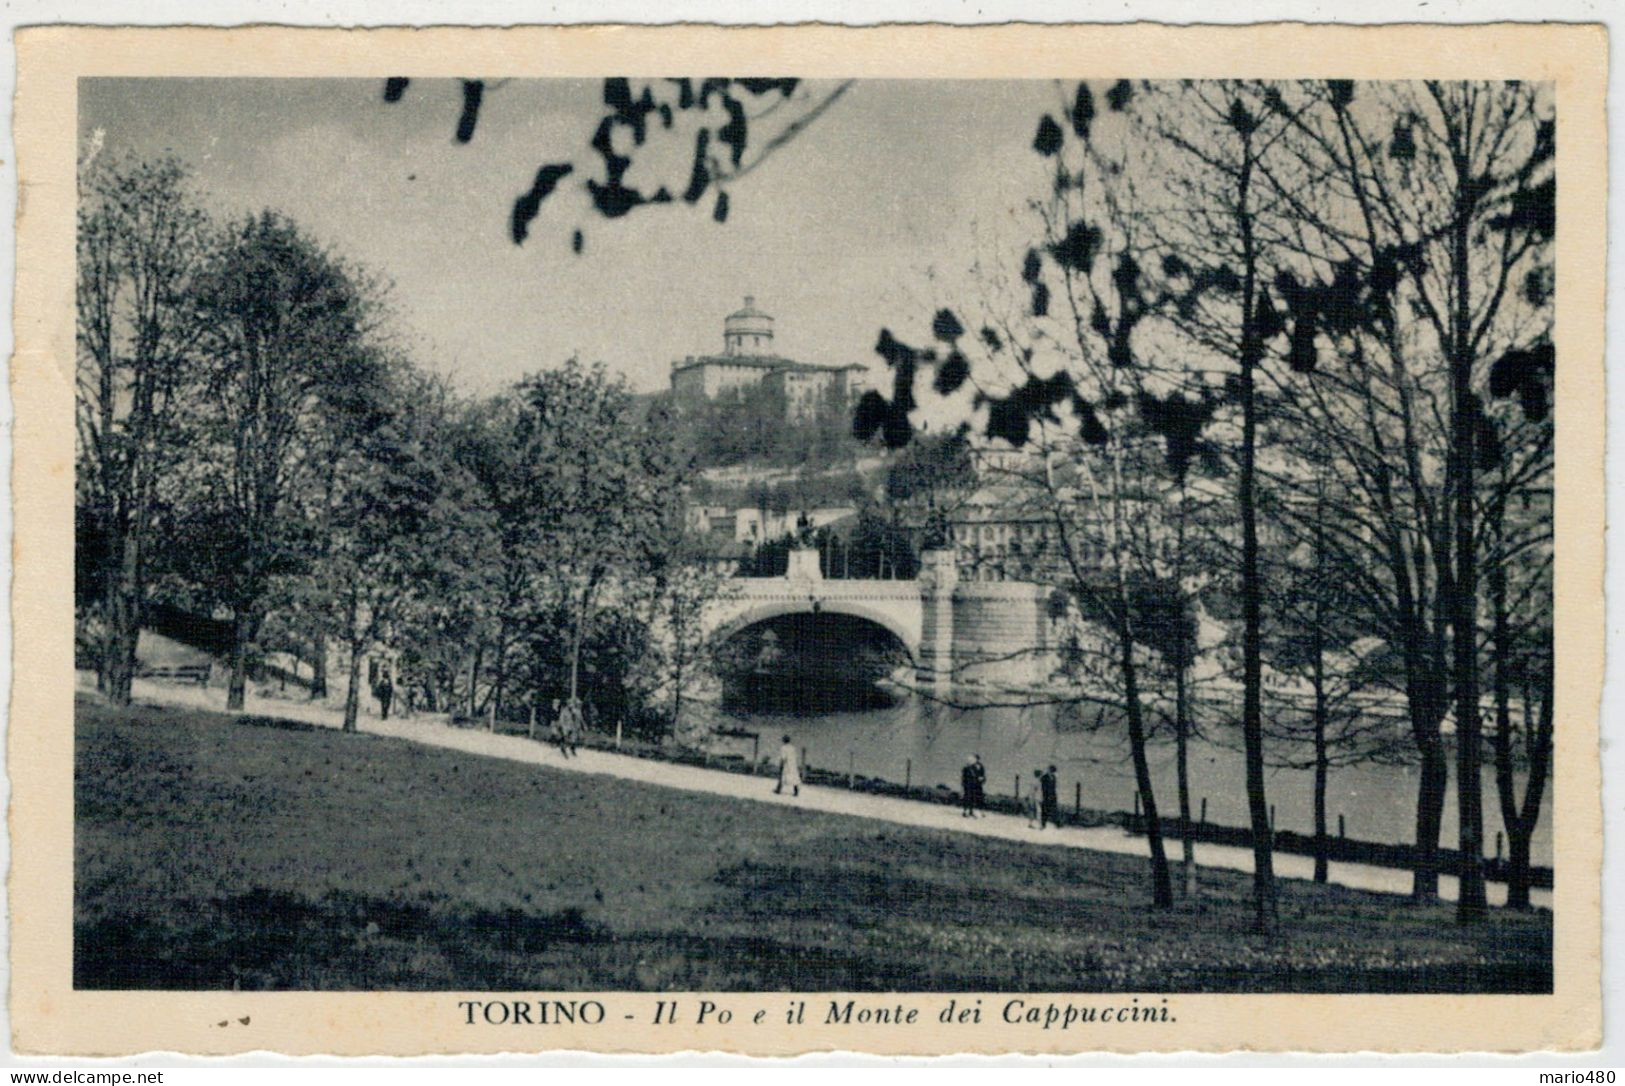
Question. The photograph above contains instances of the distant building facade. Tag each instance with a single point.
(748, 360)
(752, 525)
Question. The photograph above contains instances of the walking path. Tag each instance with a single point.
(436, 731)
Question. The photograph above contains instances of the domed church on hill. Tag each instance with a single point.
(748, 359)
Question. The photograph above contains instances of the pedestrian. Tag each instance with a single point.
(385, 693)
(574, 722)
(978, 786)
(1049, 806)
(556, 729)
(967, 788)
(789, 769)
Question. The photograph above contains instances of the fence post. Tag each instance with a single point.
(1018, 786)
(1136, 803)
(1204, 810)
(1340, 831)
(850, 759)
(1272, 818)
(1498, 841)
(1077, 798)
(908, 773)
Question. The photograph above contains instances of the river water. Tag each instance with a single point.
(926, 743)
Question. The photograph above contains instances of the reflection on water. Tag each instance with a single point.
(909, 737)
(793, 695)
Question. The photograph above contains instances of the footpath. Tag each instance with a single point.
(436, 731)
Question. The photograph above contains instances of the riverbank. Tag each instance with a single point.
(218, 851)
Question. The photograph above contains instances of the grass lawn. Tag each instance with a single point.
(213, 853)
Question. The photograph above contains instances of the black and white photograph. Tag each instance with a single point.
(696, 534)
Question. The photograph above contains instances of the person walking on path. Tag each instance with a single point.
(789, 769)
(574, 722)
(1049, 805)
(1031, 804)
(561, 729)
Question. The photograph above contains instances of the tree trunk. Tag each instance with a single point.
(474, 676)
(1322, 763)
(1318, 675)
(318, 669)
(1162, 889)
(1520, 823)
(352, 689)
(1505, 781)
(1182, 710)
(1265, 909)
(1434, 777)
(123, 631)
(1518, 874)
(501, 681)
(1470, 904)
(1182, 725)
(576, 639)
(243, 629)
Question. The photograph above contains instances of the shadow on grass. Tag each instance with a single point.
(267, 939)
(1045, 935)
(280, 723)
(277, 941)
(273, 940)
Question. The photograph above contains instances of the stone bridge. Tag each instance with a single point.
(953, 631)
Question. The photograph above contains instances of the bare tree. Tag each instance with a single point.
(1421, 262)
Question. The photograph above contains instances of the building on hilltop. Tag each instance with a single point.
(748, 361)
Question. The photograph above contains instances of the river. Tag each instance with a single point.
(926, 742)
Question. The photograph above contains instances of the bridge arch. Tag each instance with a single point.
(756, 613)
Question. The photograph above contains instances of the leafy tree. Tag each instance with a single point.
(930, 479)
(401, 541)
(142, 245)
(671, 597)
(604, 485)
(492, 447)
(287, 329)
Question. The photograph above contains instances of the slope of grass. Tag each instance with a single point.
(213, 853)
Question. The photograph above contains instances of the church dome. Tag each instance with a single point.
(748, 331)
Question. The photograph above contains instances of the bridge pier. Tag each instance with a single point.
(939, 577)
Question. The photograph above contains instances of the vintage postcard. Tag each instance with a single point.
(904, 540)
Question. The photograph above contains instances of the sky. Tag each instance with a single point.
(872, 217)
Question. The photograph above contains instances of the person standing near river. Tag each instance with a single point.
(972, 786)
(1049, 804)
